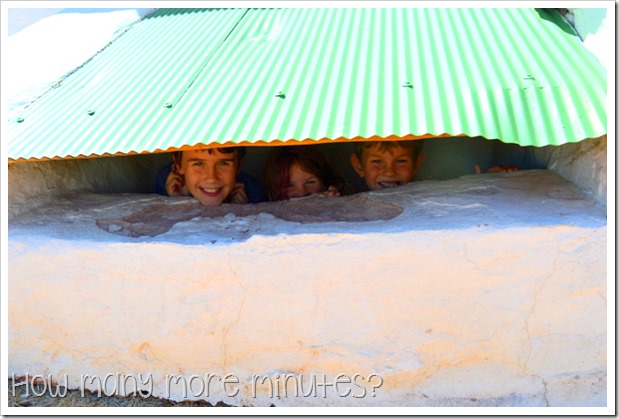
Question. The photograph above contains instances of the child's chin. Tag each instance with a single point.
(211, 203)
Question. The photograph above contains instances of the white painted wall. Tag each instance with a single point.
(464, 299)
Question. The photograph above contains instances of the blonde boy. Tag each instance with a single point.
(386, 164)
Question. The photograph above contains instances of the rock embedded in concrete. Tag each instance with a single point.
(157, 219)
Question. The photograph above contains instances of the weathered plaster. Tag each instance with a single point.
(32, 184)
(584, 163)
(487, 290)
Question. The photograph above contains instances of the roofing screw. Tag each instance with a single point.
(281, 94)
(91, 112)
(20, 119)
(167, 105)
(408, 84)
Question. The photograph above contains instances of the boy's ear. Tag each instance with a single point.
(176, 164)
(356, 164)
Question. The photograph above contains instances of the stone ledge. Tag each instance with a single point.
(485, 201)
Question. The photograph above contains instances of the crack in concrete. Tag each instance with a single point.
(226, 329)
(545, 390)
(525, 366)
(548, 278)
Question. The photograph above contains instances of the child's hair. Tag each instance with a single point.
(413, 145)
(177, 156)
(309, 158)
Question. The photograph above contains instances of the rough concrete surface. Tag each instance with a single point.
(486, 290)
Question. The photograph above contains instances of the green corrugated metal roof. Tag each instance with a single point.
(182, 77)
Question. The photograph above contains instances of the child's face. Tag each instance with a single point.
(302, 183)
(209, 177)
(385, 168)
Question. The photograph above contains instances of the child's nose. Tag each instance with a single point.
(209, 172)
(388, 169)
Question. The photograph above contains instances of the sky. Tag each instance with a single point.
(21, 18)
(45, 44)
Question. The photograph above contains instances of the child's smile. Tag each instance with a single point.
(211, 192)
(386, 165)
(209, 176)
(389, 184)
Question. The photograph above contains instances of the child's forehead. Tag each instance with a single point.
(206, 153)
(388, 149)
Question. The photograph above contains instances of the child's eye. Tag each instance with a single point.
(376, 161)
(198, 164)
(310, 181)
(223, 163)
(402, 161)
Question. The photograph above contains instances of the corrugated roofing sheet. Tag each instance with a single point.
(182, 77)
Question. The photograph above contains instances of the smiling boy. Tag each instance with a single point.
(386, 164)
(212, 176)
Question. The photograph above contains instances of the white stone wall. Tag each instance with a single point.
(447, 319)
(463, 299)
(584, 163)
(32, 184)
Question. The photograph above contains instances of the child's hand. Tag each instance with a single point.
(175, 185)
(238, 195)
(497, 169)
(331, 191)
(502, 168)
